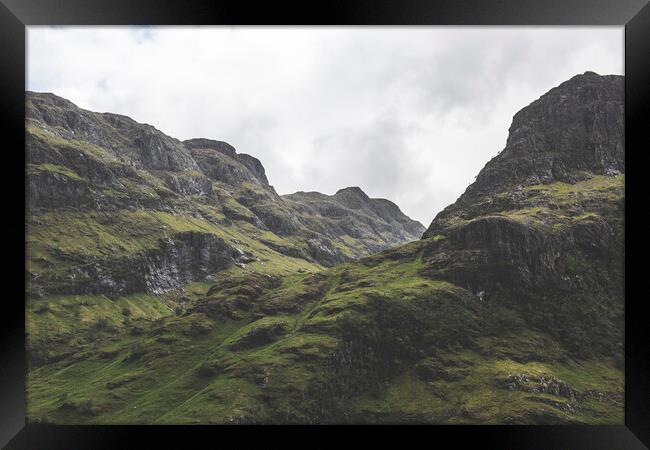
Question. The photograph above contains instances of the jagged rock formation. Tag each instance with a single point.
(509, 310)
(117, 207)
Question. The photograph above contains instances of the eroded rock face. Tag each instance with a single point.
(255, 166)
(57, 189)
(188, 257)
(176, 262)
(188, 183)
(221, 162)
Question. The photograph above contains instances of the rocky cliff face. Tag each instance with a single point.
(571, 133)
(220, 161)
(508, 311)
(541, 228)
(117, 207)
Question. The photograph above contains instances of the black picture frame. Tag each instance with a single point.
(15, 15)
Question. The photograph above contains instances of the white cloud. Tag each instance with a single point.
(407, 113)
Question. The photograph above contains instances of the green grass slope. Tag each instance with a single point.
(410, 335)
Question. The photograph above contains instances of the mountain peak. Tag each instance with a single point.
(575, 128)
(353, 190)
(572, 132)
(352, 197)
(588, 74)
(234, 169)
(49, 97)
(204, 143)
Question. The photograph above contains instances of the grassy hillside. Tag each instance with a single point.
(380, 340)
(169, 283)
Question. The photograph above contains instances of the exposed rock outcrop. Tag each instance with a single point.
(221, 162)
(174, 263)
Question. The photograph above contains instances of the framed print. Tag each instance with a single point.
(243, 222)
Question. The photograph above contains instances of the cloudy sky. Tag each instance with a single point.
(406, 113)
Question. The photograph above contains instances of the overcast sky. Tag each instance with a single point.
(408, 114)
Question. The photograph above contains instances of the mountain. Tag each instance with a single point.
(568, 135)
(117, 207)
(509, 310)
(372, 224)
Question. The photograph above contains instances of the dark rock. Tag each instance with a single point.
(186, 257)
(221, 162)
(52, 189)
(538, 385)
(260, 335)
(255, 166)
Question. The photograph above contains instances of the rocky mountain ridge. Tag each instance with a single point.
(117, 207)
